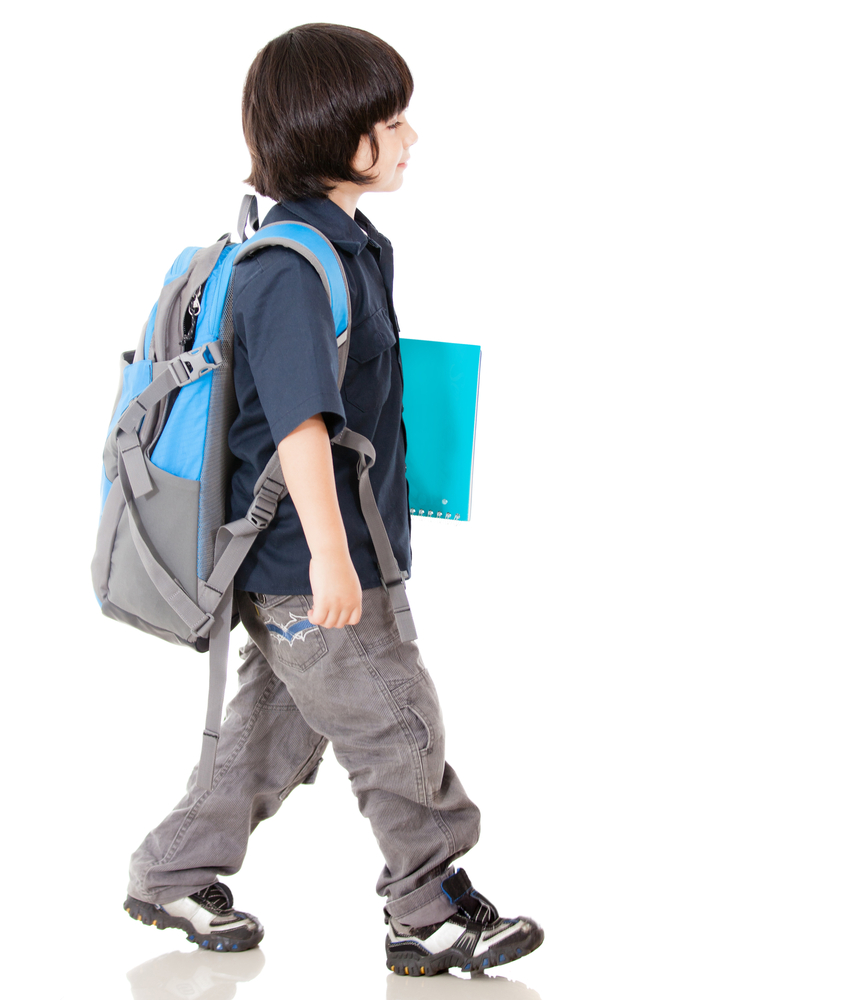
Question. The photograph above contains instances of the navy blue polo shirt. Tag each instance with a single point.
(285, 371)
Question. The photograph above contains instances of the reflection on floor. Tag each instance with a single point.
(194, 975)
(207, 975)
(479, 986)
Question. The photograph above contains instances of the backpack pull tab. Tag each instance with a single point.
(249, 213)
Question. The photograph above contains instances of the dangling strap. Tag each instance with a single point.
(233, 542)
(218, 657)
(389, 571)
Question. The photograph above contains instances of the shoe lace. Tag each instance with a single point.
(477, 908)
(216, 896)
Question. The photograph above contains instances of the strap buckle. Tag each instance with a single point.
(264, 506)
(202, 627)
(190, 365)
(400, 606)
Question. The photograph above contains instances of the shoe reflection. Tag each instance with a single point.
(447, 986)
(194, 975)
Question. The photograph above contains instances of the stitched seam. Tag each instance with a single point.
(398, 687)
(397, 713)
(303, 771)
(194, 810)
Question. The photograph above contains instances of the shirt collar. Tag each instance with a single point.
(331, 220)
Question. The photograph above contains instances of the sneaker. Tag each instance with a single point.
(208, 917)
(474, 939)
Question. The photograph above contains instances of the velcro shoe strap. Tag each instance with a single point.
(469, 902)
(456, 885)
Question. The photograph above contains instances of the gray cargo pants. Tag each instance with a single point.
(301, 686)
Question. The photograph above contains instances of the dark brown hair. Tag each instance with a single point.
(310, 96)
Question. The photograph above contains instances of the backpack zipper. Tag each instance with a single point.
(190, 320)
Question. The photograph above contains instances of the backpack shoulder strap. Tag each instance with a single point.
(316, 248)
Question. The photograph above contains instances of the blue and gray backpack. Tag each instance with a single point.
(165, 559)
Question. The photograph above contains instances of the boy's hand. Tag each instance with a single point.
(336, 592)
(308, 468)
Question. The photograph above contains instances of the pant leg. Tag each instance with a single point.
(265, 750)
(371, 696)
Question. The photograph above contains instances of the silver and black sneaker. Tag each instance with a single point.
(208, 918)
(476, 938)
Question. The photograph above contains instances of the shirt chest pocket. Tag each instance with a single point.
(368, 370)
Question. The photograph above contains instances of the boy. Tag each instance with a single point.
(324, 119)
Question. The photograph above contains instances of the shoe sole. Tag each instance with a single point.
(148, 914)
(412, 963)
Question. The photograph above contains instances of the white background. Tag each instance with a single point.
(648, 641)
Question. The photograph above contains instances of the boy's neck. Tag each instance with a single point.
(346, 199)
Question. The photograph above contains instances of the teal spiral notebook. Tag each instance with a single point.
(440, 403)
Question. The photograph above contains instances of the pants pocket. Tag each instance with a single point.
(292, 637)
(419, 706)
(419, 727)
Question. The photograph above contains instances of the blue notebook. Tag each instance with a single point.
(440, 402)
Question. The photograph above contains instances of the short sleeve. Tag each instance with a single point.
(284, 325)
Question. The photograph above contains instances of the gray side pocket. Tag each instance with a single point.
(170, 520)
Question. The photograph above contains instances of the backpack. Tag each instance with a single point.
(165, 558)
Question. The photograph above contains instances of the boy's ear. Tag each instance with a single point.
(363, 159)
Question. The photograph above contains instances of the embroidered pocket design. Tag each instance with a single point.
(295, 628)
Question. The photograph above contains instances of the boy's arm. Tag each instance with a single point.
(308, 468)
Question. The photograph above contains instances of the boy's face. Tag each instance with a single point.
(395, 137)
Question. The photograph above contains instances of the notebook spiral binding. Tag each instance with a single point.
(434, 513)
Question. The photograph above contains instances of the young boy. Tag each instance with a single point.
(324, 118)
